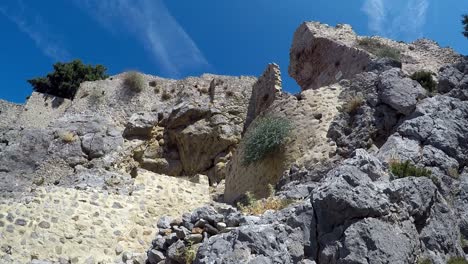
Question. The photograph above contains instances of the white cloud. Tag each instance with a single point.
(396, 19)
(33, 25)
(154, 27)
(375, 10)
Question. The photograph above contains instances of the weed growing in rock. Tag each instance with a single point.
(190, 253)
(457, 260)
(266, 136)
(353, 104)
(152, 83)
(252, 206)
(134, 81)
(424, 261)
(379, 49)
(425, 79)
(406, 169)
(67, 137)
(165, 95)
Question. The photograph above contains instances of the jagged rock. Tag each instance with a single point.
(383, 64)
(141, 125)
(207, 213)
(373, 241)
(155, 256)
(399, 92)
(453, 79)
(201, 142)
(348, 194)
(164, 222)
(253, 244)
(321, 55)
(176, 252)
(438, 122)
(367, 163)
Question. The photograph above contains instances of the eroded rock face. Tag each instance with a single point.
(321, 55)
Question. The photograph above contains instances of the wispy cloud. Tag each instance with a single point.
(396, 19)
(34, 26)
(154, 27)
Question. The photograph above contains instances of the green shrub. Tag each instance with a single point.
(66, 78)
(406, 169)
(134, 81)
(191, 253)
(266, 136)
(379, 49)
(353, 103)
(425, 79)
(457, 260)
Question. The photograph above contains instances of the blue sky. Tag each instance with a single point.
(178, 38)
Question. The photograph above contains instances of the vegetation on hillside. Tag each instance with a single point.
(425, 79)
(379, 49)
(66, 78)
(252, 206)
(266, 136)
(134, 81)
(406, 169)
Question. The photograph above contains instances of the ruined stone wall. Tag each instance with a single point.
(321, 55)
(308, 144)
(9, 113)
(80, 226)
(42, 109)
(264, 92)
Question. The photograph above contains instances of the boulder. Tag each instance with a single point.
(400, 93)
(141, 125)
(253, 244)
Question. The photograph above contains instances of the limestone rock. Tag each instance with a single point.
(141, 125)
(321, 55)
(249, 244)
(400, 93)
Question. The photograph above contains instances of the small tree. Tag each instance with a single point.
(66, 78)
(465, 25)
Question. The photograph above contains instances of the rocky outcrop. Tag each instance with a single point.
(322, 55)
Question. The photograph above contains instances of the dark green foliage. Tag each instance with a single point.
(406, 169)
(379, 49)
(465, 25)
(66, 78)
(265, 136)
(457, 260)
(425, 79)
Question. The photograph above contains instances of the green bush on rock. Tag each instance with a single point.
(66, 78)
(134, 81)
(425, 79)
(406, 169)
(266, 136)
(379, 49)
